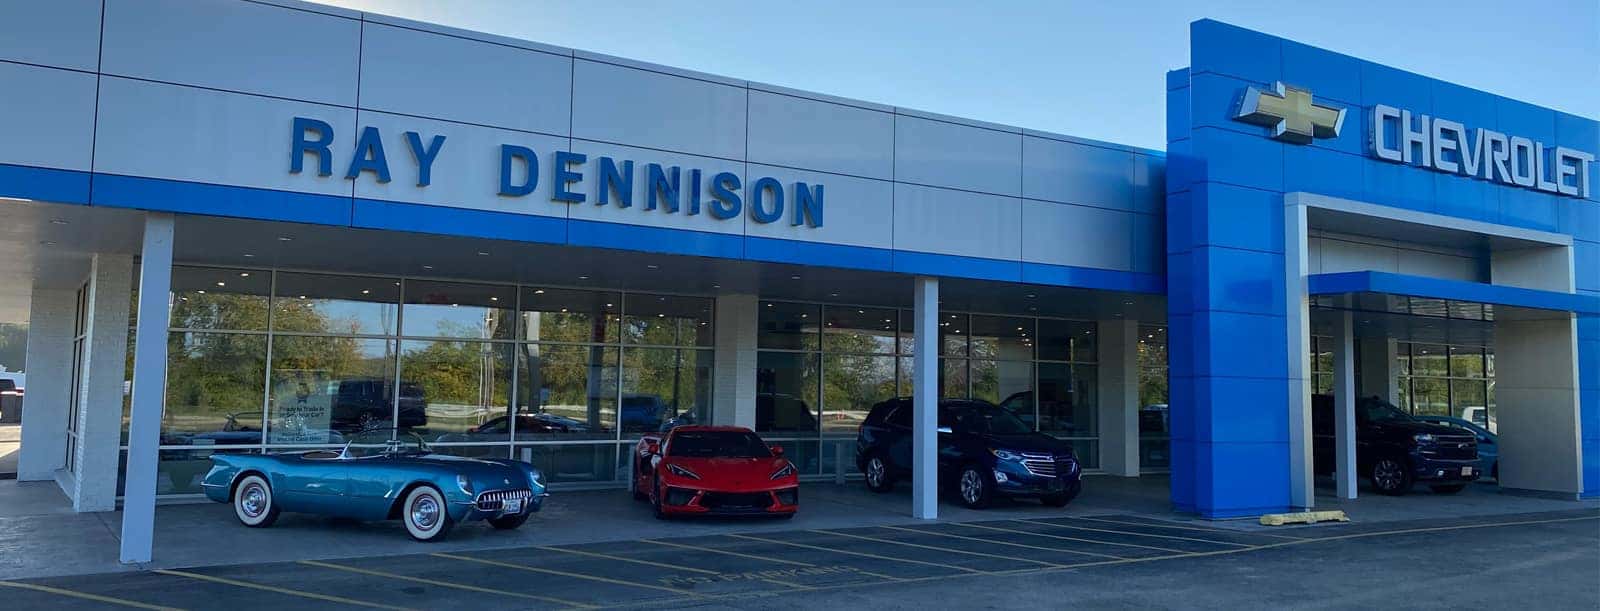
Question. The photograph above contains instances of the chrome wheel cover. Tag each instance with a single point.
(425, 512)
(253, 500)
(1387, 474)
(875, 471)
(971, 486)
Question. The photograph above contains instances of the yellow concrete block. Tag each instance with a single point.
(1304, 517)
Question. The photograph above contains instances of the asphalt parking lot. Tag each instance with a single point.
(734, 569)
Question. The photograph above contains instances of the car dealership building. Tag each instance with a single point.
(261, 225)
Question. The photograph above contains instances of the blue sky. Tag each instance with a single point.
(1089, 69)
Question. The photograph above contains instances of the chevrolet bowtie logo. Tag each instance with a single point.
(1290, 113)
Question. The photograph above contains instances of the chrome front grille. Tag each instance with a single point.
(1042, 465)
(1452, 447)
(494, 500)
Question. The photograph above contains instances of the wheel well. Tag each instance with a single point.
(234, 487)
(394, 508)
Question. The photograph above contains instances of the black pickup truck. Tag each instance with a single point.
(1395, 450)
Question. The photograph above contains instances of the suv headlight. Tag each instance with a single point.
(682, 472)
(1423, 437)
(787, 470)
(1005, 454)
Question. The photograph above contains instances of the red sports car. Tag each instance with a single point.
(714, 470)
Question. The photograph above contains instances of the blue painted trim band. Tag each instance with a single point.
(930, 264)
(654, 239)
(425, 218)
(1437, 288)
(1090, 278)
(774, 250)
(200, 198)
(44, 184)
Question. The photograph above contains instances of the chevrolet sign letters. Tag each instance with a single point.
(1446, 146)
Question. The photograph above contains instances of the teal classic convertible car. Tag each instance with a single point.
(378, 475)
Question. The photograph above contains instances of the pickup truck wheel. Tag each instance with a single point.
(253, 503)
(426, 514)
(1448, 488)
(1390, 476)
(876, 471)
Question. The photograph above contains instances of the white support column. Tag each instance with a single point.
(733, 393)
(93, 486)
(44, 408)
(1119, 397)
(149, 386)
(1344, 399)
(925, 401)
(1297, 328)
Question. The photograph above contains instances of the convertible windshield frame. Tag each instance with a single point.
(397, 443)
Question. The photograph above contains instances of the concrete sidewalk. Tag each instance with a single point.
(40, 536)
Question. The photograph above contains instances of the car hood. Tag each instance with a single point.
(1033, 443)
(1417, 427)
(486, 474)
(732, 472)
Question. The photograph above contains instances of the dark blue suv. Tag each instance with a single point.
(984, 452)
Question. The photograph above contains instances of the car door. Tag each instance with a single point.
(313, 484)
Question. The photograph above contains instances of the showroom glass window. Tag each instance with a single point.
(1155, 425)
(1447, 380)
(821, 368)
(279, 361)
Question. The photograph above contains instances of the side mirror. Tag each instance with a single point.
(944, 429)
(777, 450)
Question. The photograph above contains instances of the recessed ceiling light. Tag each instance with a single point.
(427, 267)
(483, 253)
(244, 274)
(222, 284)
(833, 294)
(1031, 295)
(284, 238)
(652, 266)
(249, 256)
(48, 243)
(58, 221)
(366, 291)
(661, 316)
(794, 277)
(538, 291)
(494, 299)
(302, 296)
(202, 291)
(716, 286)
(608, 305)
(583, 277)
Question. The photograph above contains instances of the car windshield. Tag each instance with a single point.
(717, 444)
(385, 442)
(1379, 411)
(991, 420)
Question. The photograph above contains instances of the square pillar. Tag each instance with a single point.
(733, 401)
(44, 413)
(1537, 390)
(1379, 375)
(92, 483)
(1119, 396)
(1344, 409)
(149, 388)
(925, 401)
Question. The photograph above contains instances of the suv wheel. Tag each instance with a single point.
(1390, 476)
(877, 472)
(974, 488)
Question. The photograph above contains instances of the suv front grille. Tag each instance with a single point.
(1452, 447)
(494, 500)
(1042, 465)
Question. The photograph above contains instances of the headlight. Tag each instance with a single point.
(536, 476)
(682, 472)
(1423, 437)
(786, 471)
(464, 483)
(1005, 455)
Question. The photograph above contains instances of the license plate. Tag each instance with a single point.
(1466, 471)
(513, 506)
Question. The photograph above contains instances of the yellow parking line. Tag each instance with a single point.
(663, 565)
(266, 588)
(535, 569)
(1189, 527)
(85, 596)
(723, 551)
(862, 554)
(442, 584)
(935, 547)
(1135, 534)
(1065, 538)
(1022, 545)
(765, 558)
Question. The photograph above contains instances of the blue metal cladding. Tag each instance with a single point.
(1225, 233)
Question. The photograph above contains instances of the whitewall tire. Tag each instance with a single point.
(253, 502)
(426, 514)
